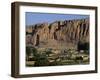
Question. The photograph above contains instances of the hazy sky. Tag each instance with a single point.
(34, 18)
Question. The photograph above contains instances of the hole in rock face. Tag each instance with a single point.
(84, 28)
(55, 36)
(37, 40)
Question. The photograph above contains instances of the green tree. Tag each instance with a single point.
(48, 52)
(41, 60)
(28, 51)
(34, 51)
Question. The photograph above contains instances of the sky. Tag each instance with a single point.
(35, 18)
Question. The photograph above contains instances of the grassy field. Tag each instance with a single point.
(54, 57)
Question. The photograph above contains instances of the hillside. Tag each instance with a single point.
(59, 34)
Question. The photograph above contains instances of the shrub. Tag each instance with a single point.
(83, 46)
(41, 60)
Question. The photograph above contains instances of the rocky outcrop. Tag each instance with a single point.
(58, 32)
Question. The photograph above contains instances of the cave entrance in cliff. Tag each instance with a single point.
(37, 40)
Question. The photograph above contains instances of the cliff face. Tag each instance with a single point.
(59, 32)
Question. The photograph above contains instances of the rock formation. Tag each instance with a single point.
(58, 33)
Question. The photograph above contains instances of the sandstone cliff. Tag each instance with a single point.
(64, 33)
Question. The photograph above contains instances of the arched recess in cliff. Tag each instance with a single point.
(37, 40)
(55, 36)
